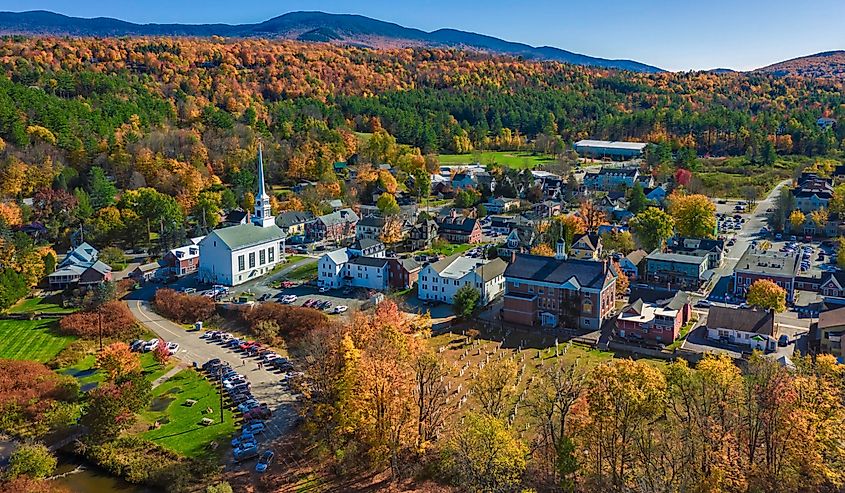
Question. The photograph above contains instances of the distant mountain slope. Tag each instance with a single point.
(827, 65)
(303, 26)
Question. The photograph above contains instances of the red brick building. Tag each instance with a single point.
(779, 267)
(402, 273)
(556, 291)
(658, 322)
(458, 229)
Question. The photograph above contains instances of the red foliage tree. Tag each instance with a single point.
(183, 308)
(31, 387)
(116, 320)
(161, 353)
(291, 320)
(683, 176)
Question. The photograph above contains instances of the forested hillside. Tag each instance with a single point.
(181, 115)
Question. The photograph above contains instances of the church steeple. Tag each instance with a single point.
(263, 216)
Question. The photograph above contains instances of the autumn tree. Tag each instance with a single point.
(618, 241)
(820, 217)
(112, 318)
(652, 228)
(391, 233)
(161, 353)
(796, 220)
(592, 215)
(117, 361)
(694, 215)
(494, 386)
(32, 460)
(484, 455)
(430, 392)
(766, 294)
(622, 281)
(542, 249)
(387, 205)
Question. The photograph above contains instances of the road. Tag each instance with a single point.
(266, 385)
(749, 232)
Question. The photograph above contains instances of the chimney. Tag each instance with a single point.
(513, 256)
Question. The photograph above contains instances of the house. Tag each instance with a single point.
(609, 149)
(486, 182)
(182, 261)
(145, 272)
(586, 247)
(743, 326)
(519, 240)
(675, 269)
(831, 326)
(499, 205)
(812, 193)
(78, 261)
(612, 178)
(422, 234)
(713, 250)
(370, 228)
(547, 208)
(366, 248)
(293, 223)
(440, 280)
(458, 229)
(656, 194)
(646, 180)
(236, 254)
(631, 263)
(558, 291)
(402, 273)
(464, 180)
(779, 267)
(832, 284)
(504, 224)
(343, 268)
(657, 322)
(552, 184)
(333, 226)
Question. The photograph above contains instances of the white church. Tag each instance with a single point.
(237, 254)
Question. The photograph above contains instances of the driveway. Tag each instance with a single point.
(266, 385)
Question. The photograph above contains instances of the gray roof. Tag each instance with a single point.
(84, 254)
(409, 264)
(636, 256)
(677, 258)
(741, 319)
(635, 146)
(244, 236)
(342, 216)
(769, 263)
(588, 273)
(492, 269)
(369, 261)
(100, 267)
(372, 222)
(365, 243)
(292, 218)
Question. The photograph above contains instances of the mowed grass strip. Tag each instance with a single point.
(511, 159)
(39, 305)
(36, 340)
(180, 428)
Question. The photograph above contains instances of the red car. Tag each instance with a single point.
(260, 412)
(246, 345)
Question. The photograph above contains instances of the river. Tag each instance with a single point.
(80, 477)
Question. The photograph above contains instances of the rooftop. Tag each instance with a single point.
(832, 318)
(679, 258)
(768, 262)
(586, 273)
(633, 146)
(742, 319)
(244, 236)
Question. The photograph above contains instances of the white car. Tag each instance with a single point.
(150, 345)
(288, 298)
(323, 289)
(172, 347)
(340, 309)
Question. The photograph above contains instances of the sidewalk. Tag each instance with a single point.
(167, 376)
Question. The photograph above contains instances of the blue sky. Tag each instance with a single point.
(672, 34)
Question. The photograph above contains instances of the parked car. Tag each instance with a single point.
(783, 340)
(264, 461)
(243, 439)
(323, 289)
(149, 345)
(172, 348)
(136, 345)
(253, 427)
(340, 309)
(260, 412)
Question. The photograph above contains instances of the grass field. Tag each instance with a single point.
(180, 429)
(732, 177)
(39, 305)
(35, 340)
(448, 249)
(511, 159)
(304, 272)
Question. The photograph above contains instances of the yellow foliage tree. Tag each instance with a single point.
(543, 250)
(796, 219)
(695, 215)
(764, 293)
(10, 213)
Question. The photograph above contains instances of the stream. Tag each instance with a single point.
(80, 477)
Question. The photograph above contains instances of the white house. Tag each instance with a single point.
(347, 268)
(442, 279)
(237, 254)
(753, 328)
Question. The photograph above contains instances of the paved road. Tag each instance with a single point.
(266, 385)
(749, 232)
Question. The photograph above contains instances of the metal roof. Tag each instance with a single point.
(607, 144)
(245, 235)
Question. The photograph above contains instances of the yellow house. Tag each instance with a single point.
(587, 247)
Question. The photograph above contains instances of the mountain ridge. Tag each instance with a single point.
(307, 26)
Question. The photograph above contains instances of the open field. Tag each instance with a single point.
(35, 340)
(304, 272)
(511, 159)
(32, 305)
(180, 428)
(448, 249)
(732, 177)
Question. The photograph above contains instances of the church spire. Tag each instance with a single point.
(263, 215)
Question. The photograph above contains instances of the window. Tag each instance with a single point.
(271, 254)
(262, 257)
(252, 260)
(240, 262)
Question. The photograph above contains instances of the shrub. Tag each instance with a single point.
(31, 460)
(13, 287)
(116, 320)
(290, 320)
(183, 308)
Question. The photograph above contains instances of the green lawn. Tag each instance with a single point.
(35, 340)
(180, 429)
(449, 249)
(303, 272)
(39, 305)
(511, 159)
